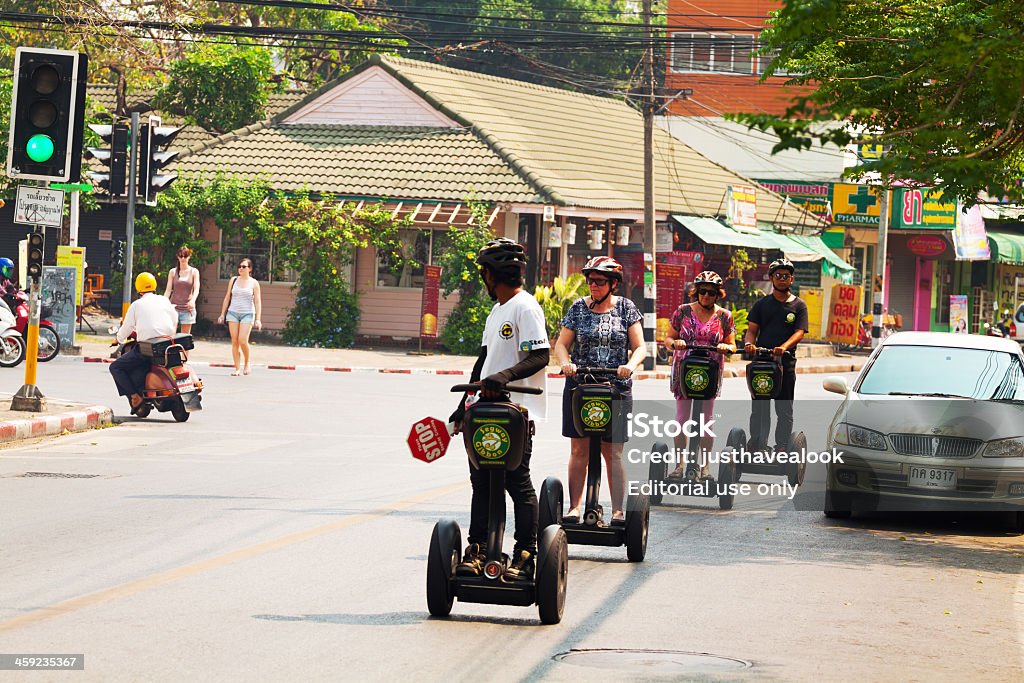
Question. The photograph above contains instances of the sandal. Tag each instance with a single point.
(571, 518)
(236, 372)
(246, 371)
(618, 521)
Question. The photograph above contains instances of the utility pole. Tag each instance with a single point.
(133, 165)
(650, 289)
(880, 254)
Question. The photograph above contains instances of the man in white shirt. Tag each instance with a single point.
(514, 348)
(149, 316)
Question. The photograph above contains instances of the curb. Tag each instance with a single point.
(60, 423)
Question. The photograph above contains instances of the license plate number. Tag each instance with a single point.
(185, 385)
(931, 478)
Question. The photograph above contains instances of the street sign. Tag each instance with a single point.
(39, 206)
(428, 439)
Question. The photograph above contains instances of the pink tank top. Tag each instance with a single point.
(181, 289)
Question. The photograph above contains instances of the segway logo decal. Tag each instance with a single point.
(763, 383)
(491, 442)
(596, 414)
(790, 317)
(696, 379)
(506, 330)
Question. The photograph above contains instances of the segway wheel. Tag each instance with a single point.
(837, 506)
(657, 472)
(726, 478)
(445, 546)
(795, 471)
(550, 503)
(736, 441)
(638, 519)
(552, 574)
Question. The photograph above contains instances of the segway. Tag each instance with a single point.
(697, 380)
(495, 433)
(592, 405)
(764, 382)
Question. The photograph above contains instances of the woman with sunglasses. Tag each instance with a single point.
(603, 331)
(241, 310)
(704, 323)
(182, 289)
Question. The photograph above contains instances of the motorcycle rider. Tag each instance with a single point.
(149, 316)
(515, 346)
(8, 288)
(777, 321)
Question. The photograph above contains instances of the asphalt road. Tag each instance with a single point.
(281, 534)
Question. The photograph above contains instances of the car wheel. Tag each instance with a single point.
(837, 505)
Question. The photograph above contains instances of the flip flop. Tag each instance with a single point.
(236, 373)
(571, 519)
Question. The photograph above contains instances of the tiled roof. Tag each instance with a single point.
(364, 161)
(560, 138)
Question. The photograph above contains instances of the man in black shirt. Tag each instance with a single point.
(777, 322)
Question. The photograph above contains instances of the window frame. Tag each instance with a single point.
(417, 272)
(247, 249)
(717, 45)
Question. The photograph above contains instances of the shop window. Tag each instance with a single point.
(266, 267)
(713, 52)
(423, 246)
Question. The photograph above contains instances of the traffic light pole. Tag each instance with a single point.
(650, 287)
(133, 165)
(29, 398)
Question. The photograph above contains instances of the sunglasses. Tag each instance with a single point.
(708, 292)
(597, 282)
(243, 265)
(782, 276)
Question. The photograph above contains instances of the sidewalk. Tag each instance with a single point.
(61, 417)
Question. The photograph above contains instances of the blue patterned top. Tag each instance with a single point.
(602, 339)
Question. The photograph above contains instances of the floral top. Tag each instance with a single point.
(602, 339)
(693, 331)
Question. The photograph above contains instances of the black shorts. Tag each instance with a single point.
(621, 408)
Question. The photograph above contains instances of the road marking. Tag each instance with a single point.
(156, 580)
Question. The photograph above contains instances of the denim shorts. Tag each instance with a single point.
(187, 317)
(243, 318)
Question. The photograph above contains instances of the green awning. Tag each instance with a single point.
(1007, 247)
(712, 231)
(817, 245)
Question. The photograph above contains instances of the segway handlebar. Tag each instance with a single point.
(477, 386)
(701, 347)
(764, 350)
(609, 372)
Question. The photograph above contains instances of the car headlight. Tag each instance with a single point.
(852, 435)
(1005, 448)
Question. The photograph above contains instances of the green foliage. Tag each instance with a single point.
(556, 299)
(219, 87)
(326, 316)
(464, 327)
(740, 263)
(937, 83)
(739, 317)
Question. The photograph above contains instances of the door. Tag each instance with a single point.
(923, 294)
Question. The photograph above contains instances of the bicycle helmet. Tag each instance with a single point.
(502, 255)
(145, 282)
(779, 264)
(605, 265)
(6, 267)
(709, 277)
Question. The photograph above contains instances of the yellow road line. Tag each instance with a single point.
(139, 585)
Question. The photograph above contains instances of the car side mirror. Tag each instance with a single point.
(836, 384)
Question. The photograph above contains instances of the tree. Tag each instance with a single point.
(219, 87)
(939, 83)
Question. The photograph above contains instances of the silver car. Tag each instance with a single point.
(934, 421)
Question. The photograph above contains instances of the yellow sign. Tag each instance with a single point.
(844, 314)
(815, 299)
(75, 258)
(855, 205)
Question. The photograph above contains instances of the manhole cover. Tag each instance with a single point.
(667, 662)
(60, 475)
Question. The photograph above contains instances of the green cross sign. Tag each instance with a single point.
(863, 200)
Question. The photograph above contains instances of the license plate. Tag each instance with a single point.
(931, 478)
(185, 385)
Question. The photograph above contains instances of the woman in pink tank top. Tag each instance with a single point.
(183, 289)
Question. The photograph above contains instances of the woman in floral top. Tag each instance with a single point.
(604, 331)
(704, 323)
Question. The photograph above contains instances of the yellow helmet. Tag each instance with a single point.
(145, 282)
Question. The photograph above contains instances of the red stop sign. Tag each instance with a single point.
(428, 439)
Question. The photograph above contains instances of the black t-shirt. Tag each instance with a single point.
(777, 320)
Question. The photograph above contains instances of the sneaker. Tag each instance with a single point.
(521, 568)
(473, 562)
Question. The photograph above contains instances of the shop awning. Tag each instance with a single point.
(805, 244)
(1007, 247)
(712, 231)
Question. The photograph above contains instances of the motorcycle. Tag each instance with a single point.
(12, 344)
(171, 383)
(999, 328)
(49, 340)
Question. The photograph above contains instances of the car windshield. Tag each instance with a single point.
(945, 371)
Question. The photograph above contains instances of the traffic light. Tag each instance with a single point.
(153, 137)
(114, 157)
(47, 112)
(117, 255)
(36, 244)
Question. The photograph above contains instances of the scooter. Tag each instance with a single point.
(592, 405)
(171, 384)
(764, 382)
(494, 432)
(12, 344)
(49, 340)
(697, 380)
(999, 328)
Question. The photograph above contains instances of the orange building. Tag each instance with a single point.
(713, 52)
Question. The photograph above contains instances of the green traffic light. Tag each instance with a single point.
(39, 148)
